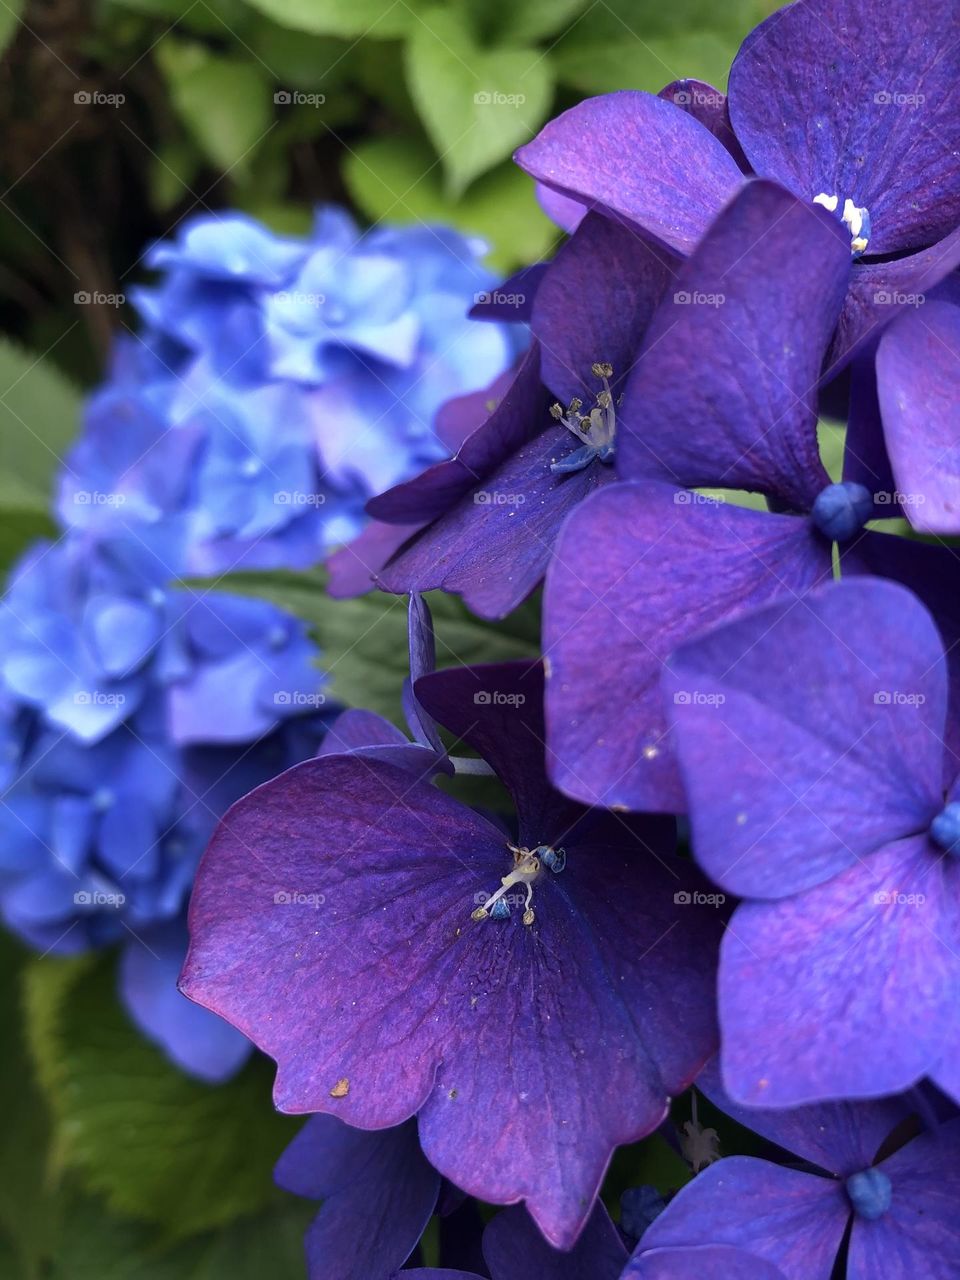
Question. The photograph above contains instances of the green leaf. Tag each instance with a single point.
(226, 103)
(363, 641)
(519, 21)
(10, 12)
(157, 1145)
(374, 19)
(398, 180)
(24, 1134)
(90, 1245)
(298, 60)
(650, 63)
(39, 414)
(173, 169)
(477, 104)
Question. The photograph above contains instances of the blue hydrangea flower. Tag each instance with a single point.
(277, 384)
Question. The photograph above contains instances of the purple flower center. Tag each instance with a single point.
(527, 865)
(853, 216)
(945, 829)
(841, 510)
(596, 429)
(870, 1193)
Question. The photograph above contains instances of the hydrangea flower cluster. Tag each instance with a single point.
(489, 1006)
(277, 384)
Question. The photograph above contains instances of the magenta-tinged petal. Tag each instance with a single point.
(353, 567)
(809, 734)
(840, 1137)
(635, 155)
(706, 1262)
(918, 382)
(354, 888)
(725, 391)
(514, 1249)
(493, 547)
(594, 305)
(794, 1220)
(827, 103)
(880, 291)
(709, 106)
(919, 1235)
(460, 416)
(517, 418)
(638, 569)
(566, 213)
(378, 1192)
(843, 991)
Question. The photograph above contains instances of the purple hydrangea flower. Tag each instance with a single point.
(492, 512)
(643, 565)
(702, 1262)
(811, 736)
(864, 1174)
(535, 1002)
(859, 118)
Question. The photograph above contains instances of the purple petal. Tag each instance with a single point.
(353, 568)
(511, 301)
(423, 660)
(841, 1137)
(809, 734)
(794, 1220)
(493, 547)
(846, 990)
(709, 106)
(198, 1042)
(562, 210)
(517, 418)
(595, 303)
(379, 1194)
(757, 303)
(918, 381)
(932, 573)
(865, 459)
(515, 1250)
(634, 155)
(638, 569)
(880, 291)
(370, 737)
(355, 888)
(825, 103)
(919, 1235)
(708, 1262)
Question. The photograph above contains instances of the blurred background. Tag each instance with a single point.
(122, 121)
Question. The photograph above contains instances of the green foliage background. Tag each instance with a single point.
(120, 117)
